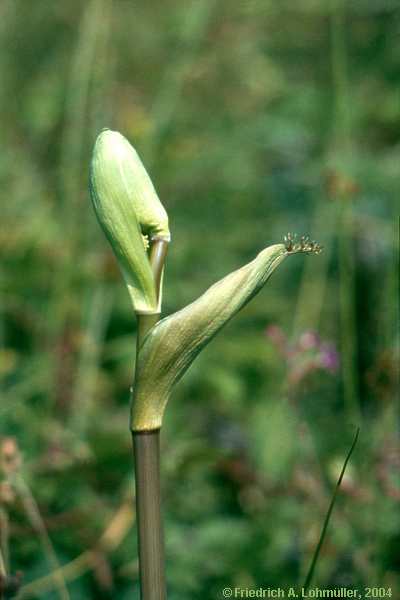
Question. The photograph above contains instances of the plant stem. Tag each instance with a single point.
(158, 254)
(146, 321)
(146, 446)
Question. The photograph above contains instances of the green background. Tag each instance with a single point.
(253, 119)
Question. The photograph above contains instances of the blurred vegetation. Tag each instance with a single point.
(254, 118)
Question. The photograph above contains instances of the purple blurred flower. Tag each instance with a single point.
(307, 354)
(308, 340)
(329, 357)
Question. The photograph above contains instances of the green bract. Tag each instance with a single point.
(127, 206)
(171, 346)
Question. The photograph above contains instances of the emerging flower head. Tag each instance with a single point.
(294, 245)
(127, 207)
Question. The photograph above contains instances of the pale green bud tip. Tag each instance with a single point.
(111, 183)
(117, 152)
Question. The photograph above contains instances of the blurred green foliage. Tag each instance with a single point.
(253, 118)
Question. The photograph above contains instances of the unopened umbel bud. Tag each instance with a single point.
(150, 213)
(127, 206)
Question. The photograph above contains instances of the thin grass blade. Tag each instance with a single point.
(314, 561)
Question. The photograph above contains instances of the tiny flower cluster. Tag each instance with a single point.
(305, 244)
(308, 353)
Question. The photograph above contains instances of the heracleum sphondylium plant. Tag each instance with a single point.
(136, 225)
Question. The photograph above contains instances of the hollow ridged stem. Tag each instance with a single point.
(146, 446)
(146, 321)
(158, 254)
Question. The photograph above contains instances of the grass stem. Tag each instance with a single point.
(310, 573)
(38, 524)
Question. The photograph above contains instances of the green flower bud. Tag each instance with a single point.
(127, 206)
(150, 213)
